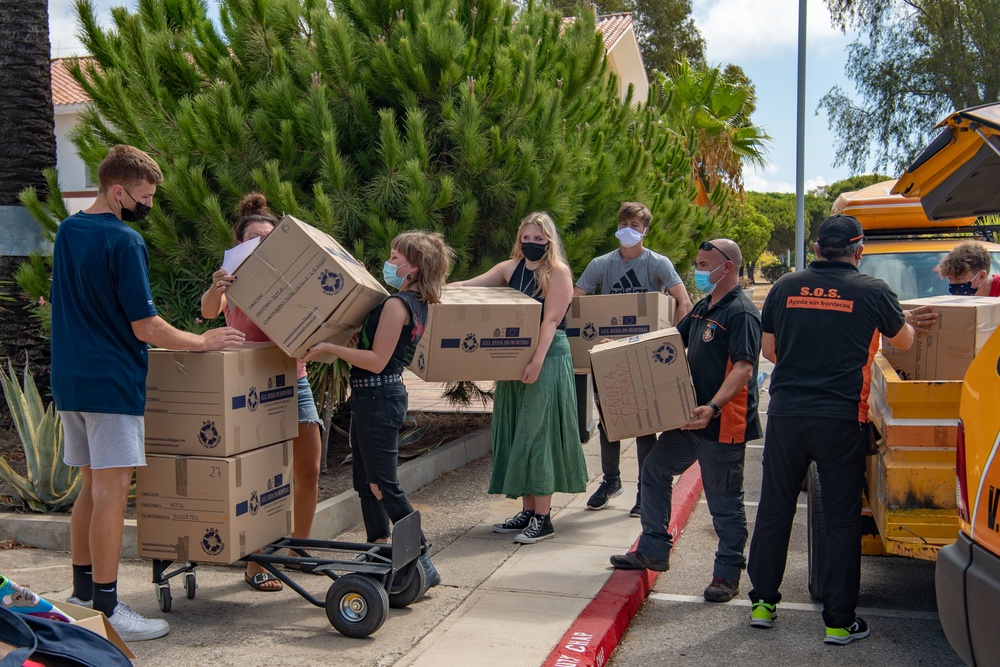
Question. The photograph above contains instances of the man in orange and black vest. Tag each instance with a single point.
(722, 336)
(821, 328)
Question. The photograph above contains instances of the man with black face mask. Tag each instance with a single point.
(967, 268)
(103, 320)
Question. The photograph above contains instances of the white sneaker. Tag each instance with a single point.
(89, 604)
(133, 627)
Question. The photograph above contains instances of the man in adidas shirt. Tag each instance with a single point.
(631, 268)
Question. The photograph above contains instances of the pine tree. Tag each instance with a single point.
(377, 117)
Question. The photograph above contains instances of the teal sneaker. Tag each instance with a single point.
(857, 630)
(762, 614)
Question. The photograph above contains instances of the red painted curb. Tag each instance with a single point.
(600, 626)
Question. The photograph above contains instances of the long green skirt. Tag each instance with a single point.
(536, 438)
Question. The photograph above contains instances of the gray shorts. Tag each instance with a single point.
(103, 440)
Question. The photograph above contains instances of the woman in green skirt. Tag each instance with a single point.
(536, 442)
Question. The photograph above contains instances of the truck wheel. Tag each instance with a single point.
(816, 529)
(414, 580)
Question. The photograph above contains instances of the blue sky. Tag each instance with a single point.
(759, 36)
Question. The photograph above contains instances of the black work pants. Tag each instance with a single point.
(838, 448)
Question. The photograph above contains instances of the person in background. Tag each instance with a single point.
(418, 265)
(821, 328)
(967, 269)
(722, 337)
(536, 442)
(254, 220)
(631, 268)
(103, 320)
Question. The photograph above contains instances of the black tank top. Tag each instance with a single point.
(523, 280)
(408, 337)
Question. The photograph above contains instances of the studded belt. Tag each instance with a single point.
(375, 381)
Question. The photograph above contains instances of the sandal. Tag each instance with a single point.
(259, 582)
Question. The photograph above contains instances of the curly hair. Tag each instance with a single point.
(428, 252)
(554, 254)
(968, 257)
(252, 208)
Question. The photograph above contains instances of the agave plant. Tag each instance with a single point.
(51, 485)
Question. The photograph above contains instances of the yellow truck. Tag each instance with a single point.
(909, 507)
(956, 176)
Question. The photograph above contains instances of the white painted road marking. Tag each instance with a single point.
(800, 606)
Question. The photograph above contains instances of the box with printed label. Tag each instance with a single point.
(213, 510)
(478, 333)
(301, 287)
(643, 384)
(593, 318)
(964, 325)
(220, 403)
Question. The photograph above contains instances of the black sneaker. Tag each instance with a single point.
(539, 528)
(636, 511)
(722, 590)
(608, 489)
(634, 560)
(857, 630)
(516, 523)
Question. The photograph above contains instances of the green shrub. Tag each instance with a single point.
(51, 485)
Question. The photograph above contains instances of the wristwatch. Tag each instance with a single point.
(717, 411)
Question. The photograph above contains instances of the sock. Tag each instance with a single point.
(106, 597)
(83, 582)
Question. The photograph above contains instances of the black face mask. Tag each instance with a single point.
(962, 289)
(534, 251)
(135, 214)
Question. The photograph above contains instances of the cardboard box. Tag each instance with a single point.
(478, 333)
(964, 325)
(301, 287)
(213, 510)
(97, 623)
(593, 318)
(220, 403)
(644, 384)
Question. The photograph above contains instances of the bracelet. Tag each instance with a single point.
(716, 410)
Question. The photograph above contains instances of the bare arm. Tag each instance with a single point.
(395, 315)
(680, 294)
(579, 291)
(214, 298)
(495, 277)
(732, 385)
(557, 302)
(904, 339)
(767, 347)
(159, 333)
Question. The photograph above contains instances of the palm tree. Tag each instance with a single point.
(27, 147)
(710, 109)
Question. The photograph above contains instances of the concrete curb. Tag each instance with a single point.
(596, 632)
(333, 516)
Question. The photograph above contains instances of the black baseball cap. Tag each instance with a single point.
(840, 231)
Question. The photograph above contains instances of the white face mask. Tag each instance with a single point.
(628, 237)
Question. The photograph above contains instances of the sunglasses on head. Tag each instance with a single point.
(705, 245)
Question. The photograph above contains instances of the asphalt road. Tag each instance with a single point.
(676, 625)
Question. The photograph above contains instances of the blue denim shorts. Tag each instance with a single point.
(307, 406)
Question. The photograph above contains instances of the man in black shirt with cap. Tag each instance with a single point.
(821, 327)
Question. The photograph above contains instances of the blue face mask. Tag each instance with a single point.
(390, 277)
(703, 280)
(962, 289)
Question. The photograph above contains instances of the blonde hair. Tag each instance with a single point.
(964, 258)
(127, 165)
(553, 254)
(428, 252)
(632, 210)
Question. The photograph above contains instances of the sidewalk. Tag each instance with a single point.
(499, 604)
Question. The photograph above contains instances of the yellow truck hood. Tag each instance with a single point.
(956, 176)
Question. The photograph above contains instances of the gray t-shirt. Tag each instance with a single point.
(649, 272)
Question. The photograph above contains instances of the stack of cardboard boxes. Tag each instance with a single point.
(217, 484)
